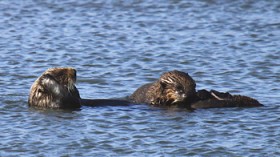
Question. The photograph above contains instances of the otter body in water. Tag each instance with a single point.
(215, 99)
(177, 88)
(174, 88)
(55, 88)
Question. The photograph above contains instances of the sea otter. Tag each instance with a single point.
(173, 88)
(176, 88)
(215, 99)
(56, 89)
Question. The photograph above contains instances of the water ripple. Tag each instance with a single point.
(116, 46)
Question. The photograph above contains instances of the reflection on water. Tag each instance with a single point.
(118, 46)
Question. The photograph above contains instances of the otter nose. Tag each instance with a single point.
(181, 94)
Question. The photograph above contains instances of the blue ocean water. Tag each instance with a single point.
(116, 46)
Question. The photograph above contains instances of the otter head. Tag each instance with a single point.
(55, 88)
(64, 77)
(176, 88)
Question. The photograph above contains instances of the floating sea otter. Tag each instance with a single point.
(174, 88)
(55, 88)
(177, 88)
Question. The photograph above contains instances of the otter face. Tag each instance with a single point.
(177, 87)
(55, 89)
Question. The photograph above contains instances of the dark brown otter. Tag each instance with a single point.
(177, 88)
(55, 88)
(215, 99)
(174, 88)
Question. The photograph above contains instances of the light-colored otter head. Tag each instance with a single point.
(176, 88)
(55, 88)
(61, 76)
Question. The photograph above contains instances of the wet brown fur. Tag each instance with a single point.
(215, 99)
(172, 88)
(55, 88)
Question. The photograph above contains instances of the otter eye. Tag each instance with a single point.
(180, 89)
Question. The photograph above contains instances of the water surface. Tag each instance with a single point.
(116, 47)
